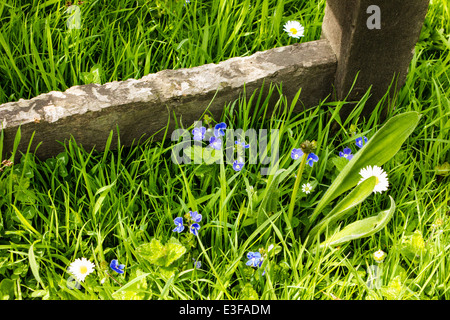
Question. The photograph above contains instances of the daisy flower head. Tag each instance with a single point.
(381, 183)
(81, 268)
(306, 188)
(294, 29)
(379, 256)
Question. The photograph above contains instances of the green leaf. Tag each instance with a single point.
(378, 150)
(94, 76)
(174, 251)
(34, 265)
(442, 170)
(211, 155)
(270, 198)
(339, 162)
(152, 252)
(103, 191)
(395, 289)
(358, 195)
(362, 228)
(135, 289)
(62, 158)
(248, 293)
(200, 155)
(7, 289)
(25, 222)
(160, 255)
(413, 246)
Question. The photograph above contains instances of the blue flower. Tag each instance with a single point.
(296, 153)
(255, 259)
(197, 264)
(195, 216)
(199, 133)
(194, 228)
(219, 129)
(311, 159)
(179, 223)
(238, 165)
(215, 143)
(116, 266)
(359, 142)
(238, 142)
(347, 154)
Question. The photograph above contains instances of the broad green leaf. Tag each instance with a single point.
(362, 228)
(211, 155)
(174, 252)
(383, 145)
(152, 251)
(413, 246)
(200, 155)
(161, 255)
(7, 289)
(63, 158)
(358, 195)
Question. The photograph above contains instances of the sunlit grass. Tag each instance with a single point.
(122, 39)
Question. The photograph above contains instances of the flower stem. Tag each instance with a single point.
(113, 278)
(296, 185)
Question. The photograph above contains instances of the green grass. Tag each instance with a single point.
(110, 205)
(122, 39)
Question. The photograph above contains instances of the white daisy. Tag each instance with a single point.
(306, 188)
(80, 268)
(294, 29)
(382, 182)
(379, 256)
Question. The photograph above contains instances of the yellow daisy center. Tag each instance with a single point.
(83, 269)
(377, 181)
(293, 31)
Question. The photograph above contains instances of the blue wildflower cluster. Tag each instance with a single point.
(347, 152)
(193, 219)
(255, 259)
(298, 153)
(216, 142)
